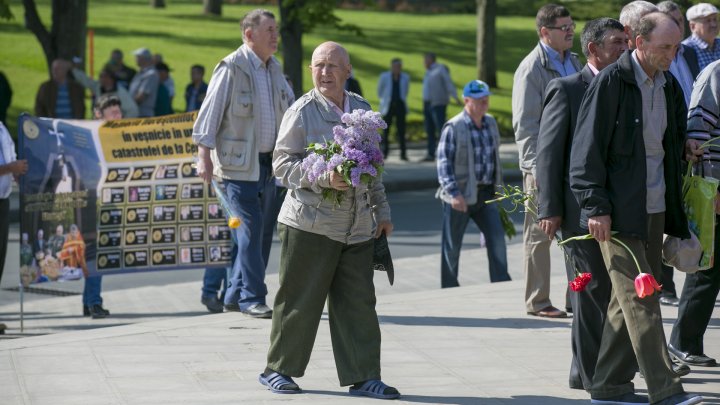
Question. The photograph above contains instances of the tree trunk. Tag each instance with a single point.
(67, 35)
(291, 35)
(213, 7)
(486, 10)
(157, 3)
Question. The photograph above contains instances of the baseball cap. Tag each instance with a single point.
(143, 52)
(476, 89)
(700, 10)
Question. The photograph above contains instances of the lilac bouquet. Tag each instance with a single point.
(353, 152)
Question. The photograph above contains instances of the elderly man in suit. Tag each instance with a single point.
(392, 91)
(603, 41)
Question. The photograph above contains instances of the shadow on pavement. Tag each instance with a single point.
(508, 323)
(113, 315)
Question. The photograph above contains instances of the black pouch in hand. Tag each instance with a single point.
(382, 261)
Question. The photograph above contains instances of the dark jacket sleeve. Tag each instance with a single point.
(591, 140)
(550, 160)
(41, 101)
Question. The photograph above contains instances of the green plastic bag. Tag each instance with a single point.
(699, 195)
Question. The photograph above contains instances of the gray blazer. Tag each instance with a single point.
(529, 82)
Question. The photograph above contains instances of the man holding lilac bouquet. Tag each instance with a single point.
(327, 239)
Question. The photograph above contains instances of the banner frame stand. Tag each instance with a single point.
(22, 313)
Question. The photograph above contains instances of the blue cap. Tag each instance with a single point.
(476, 89)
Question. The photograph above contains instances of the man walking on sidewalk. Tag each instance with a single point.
(551, 58)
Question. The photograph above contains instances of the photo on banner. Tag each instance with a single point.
(115, 197)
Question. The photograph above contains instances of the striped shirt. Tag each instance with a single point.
(705, 53)
(703, 116)
(264, 111)
(63, 109)
(654, 121)
(483, 146)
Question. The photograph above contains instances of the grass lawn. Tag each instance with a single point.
(185, 37)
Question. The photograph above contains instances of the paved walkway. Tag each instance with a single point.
(467, 345)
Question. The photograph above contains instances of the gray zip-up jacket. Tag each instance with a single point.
(311, 120)
(529, 82)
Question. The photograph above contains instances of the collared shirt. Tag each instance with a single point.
(338, 111)
(654, 119)
(706, 55)
(483, 146)
(593, 69)
(565, 66)
(264, 112)
(681, 71)
(7, 155)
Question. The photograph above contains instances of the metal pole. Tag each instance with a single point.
(22, 318)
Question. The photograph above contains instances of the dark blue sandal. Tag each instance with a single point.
(375, 389)
(279, 384)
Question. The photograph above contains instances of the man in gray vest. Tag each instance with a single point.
(235, 132)
(468, 169)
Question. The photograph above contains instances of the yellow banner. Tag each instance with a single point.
(141, 139)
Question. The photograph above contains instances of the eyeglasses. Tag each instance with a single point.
(564, 28)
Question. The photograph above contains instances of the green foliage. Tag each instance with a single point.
(5, 13)
(185, 37)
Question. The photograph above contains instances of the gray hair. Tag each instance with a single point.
(668, 6)
(252, 20)
(595, 32)
(631, 14)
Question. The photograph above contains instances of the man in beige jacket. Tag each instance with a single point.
(327, 247)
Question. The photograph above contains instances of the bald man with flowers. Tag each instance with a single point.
(326, 246)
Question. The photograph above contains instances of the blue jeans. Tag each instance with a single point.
(256, 204)
(91, 291)
(487, 218)
(434, 117)
(214, 282)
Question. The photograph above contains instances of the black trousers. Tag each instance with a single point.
(696, 305)
(589, 308)
(398, 112)
(4, 230)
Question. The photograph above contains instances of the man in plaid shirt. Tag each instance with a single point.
(703, 19)
(468, 164)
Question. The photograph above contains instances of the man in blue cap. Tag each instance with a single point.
(468, 164)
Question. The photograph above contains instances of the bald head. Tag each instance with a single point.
(658, 38)
(326, 49)
(331, 68)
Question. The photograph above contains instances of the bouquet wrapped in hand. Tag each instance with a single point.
(233, 218)
(354, 153)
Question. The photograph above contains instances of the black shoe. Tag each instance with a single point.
(691, 359)
(98, 312)
(232, 307)
(428, 158)
(681, 369)
(212, 303)
(669, 301)
(403, 158)
(86, 310)
(681, 399)
(624, 399)
(258, 311)
(2, 328)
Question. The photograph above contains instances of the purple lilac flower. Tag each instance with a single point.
(335, 161)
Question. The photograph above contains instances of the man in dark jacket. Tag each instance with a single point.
(603, 41)
(625, 173)
(60, 97)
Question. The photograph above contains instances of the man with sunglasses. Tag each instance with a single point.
(551, 58)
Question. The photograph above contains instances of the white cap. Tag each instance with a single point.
(700, 11)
